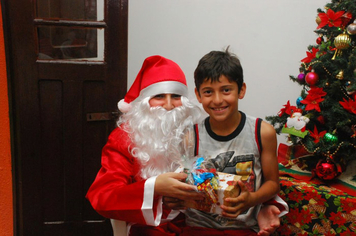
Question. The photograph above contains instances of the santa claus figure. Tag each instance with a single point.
(297, 120)
(142, 153)
(296, 124)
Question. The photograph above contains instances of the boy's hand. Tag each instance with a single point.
(239, 204)
(268, 220)
(171, 185)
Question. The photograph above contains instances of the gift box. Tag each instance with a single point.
(215, 195)
(216, 185)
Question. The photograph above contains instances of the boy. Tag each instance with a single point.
(239, 144)
(141, 154)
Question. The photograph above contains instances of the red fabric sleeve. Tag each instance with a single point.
(115, 192)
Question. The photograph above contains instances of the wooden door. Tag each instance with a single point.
(67, 69)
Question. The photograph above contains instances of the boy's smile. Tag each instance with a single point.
(220, 100)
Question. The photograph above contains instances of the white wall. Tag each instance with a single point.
(269, 37)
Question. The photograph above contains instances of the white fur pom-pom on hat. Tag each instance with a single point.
(123, 106)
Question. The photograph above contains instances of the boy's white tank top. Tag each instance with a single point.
(237, 153)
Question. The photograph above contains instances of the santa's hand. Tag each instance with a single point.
(171, 185)
(238, 204)
(174, 203)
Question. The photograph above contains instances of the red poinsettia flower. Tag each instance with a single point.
(306, 216)
(286, 183)
(310, 55)
(337, 218)
(347, 232)
(288, 109)
(348, 205)
(330, 18)
(293, 216)
(310, 193)
(317, 91)
(312, 102)
(349, 105)
(295, 196)
(320, 199)
(346, 18)
(284, 230)
(316, 135)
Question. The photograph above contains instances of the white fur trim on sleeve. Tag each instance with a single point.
(147, 205)
(283, 203)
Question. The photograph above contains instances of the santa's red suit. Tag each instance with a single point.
(118, 192)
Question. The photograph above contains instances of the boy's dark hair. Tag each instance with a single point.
(218, 63)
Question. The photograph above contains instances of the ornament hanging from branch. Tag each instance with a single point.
(340, 75)
(301, 78)
(330, 138)
(312, 78)
(295, 124)
(341, 42)
(327, 169)
(351, 28)
(319, 40)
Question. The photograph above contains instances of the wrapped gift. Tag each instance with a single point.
(216, 185)
(227, 187)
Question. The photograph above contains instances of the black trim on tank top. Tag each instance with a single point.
(226, 138)
(258, 134)
(196, 146)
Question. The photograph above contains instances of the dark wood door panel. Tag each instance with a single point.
(72, 71)
(56, 138)
(78, 228)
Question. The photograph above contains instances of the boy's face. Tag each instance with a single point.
(220, 99)
(167, 101)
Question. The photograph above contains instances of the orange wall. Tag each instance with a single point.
(6, 210)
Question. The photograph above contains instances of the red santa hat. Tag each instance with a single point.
(158, 75)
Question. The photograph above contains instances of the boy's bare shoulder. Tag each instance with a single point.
(267, 130)
(269, 139)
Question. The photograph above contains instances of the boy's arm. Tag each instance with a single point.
(270, 168)
(269, 163)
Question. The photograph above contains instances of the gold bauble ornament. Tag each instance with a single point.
(318, 20)
(342, 41)
(289, 140)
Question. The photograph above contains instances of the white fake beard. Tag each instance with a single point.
(158, 134)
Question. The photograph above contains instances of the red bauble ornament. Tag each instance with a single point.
(321, 119)
(312, 78)
(319, 40)
(327, 170)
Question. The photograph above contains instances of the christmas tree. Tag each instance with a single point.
(322, 123)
